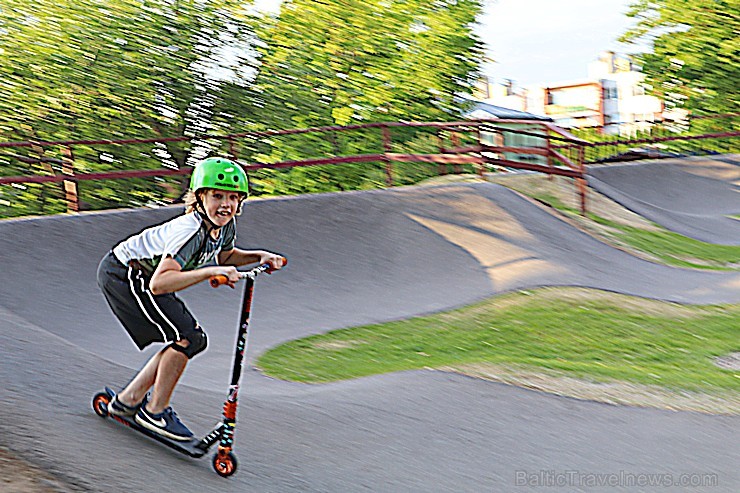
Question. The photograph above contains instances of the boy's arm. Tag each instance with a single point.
(237, 257)
(169, 276)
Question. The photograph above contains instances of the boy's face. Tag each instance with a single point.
(221, 205)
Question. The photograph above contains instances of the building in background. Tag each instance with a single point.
(504, 95)
(577, 104)
(510, 119)
(612, 99)
(480, 110)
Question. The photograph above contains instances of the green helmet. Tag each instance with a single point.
(221, 174)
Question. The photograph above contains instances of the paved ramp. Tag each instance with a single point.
(355, 258)
(698, 197)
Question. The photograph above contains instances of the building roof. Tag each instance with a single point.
(485, 111)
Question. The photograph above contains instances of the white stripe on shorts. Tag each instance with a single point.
(156, 306)
(141, 304)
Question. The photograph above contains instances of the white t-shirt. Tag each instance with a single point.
(184, 238)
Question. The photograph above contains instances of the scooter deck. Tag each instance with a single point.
(193, 447)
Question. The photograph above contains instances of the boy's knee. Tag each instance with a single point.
(192, 345)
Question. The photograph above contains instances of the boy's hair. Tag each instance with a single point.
(191, 201)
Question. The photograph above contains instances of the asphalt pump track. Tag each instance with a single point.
(355, 258)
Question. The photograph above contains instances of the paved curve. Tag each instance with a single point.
(698, 197)
(355, 258)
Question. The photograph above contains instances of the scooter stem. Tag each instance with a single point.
(229, 411)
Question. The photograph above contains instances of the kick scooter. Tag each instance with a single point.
(224, 461)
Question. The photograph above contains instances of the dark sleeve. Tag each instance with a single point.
(229, 236)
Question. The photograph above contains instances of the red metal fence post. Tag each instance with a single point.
(387, 148)
(482, 164)
(70, 186)
(441, 168)
(582, 184)
(455, 138)
(548, 143)
(47, 167)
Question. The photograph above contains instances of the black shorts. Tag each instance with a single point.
(146, 317)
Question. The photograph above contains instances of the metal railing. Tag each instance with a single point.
(457, 144)
(478, 146)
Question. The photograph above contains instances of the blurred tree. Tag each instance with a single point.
(339, 62)
(72, 70)
(118, 69)
(694, 62)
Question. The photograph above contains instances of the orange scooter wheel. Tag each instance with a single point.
(224, 463)
(100, 404)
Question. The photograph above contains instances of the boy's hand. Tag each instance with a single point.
(276, 261)
(231, 273)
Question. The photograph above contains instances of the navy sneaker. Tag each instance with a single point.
(165, 423)
(118, 408)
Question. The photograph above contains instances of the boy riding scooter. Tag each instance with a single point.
(141, 275)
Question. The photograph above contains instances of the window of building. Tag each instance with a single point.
(611, 93)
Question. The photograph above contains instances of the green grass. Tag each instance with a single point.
(669, 247)
(578, 333)
(584, 334)
(675, 249)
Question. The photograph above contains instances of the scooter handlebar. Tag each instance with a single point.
(220, 280)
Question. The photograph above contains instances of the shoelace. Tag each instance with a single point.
(171, 412)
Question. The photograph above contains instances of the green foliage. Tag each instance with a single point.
(694, 62)
(691, 127)
(339, 63)
(116, 69)
(112, 69)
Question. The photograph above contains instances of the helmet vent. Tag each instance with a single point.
(221, 176)
(236, 178)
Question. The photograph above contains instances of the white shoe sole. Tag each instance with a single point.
(160, 431)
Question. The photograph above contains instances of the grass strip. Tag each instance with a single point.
(669, 247)
(675, 249)
(585, 334)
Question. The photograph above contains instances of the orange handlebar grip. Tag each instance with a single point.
(218, 280)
